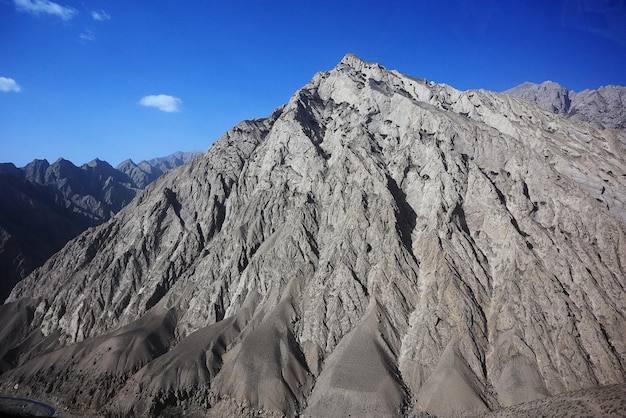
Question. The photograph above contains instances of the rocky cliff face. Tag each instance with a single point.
(43, 206)
(379, 246)
(605, 107)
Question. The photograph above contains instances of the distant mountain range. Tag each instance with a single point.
(147, 171)
(43, 205)
(604, 107)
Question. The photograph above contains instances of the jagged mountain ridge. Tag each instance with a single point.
(145, 172)
(45, 205)
(604, 107)
(378, 246)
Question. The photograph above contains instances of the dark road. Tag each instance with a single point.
(10, 406)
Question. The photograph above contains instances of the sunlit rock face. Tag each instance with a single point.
(379, 246)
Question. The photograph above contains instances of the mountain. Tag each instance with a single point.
(145, 172)
(43, 206)
(34, 224)
(172, 161)
(604, 108)
(381, 245)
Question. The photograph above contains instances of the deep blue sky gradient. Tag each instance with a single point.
(229, 61)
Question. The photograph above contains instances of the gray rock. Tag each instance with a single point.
(145, 172)
(379, 246)
(172, 161)
(605, 107)
(549, 95)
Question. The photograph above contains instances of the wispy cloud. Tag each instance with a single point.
(100, 15)
(162, 102)
(87, 35)
(8, 85)
(45, 7)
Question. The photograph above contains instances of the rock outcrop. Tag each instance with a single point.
(604, 107)
(379, 246)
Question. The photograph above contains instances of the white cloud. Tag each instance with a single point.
(100, 15)
(87, 35)
(162, 102)
(38, 7)
(8, 84)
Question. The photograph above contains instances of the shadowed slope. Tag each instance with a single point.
(43, 206)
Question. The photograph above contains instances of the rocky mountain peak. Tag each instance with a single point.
(36, 170)
(351, 60)
(604, 107)
(97, 162)
(549, 95)
(381, 245)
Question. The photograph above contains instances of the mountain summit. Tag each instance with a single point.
(605, 107)
(381, 245)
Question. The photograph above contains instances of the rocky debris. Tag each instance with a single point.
(604, 107)
(607, 401)
(379, 246)
(43, 206)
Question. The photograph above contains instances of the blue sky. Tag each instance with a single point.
(129, 79)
